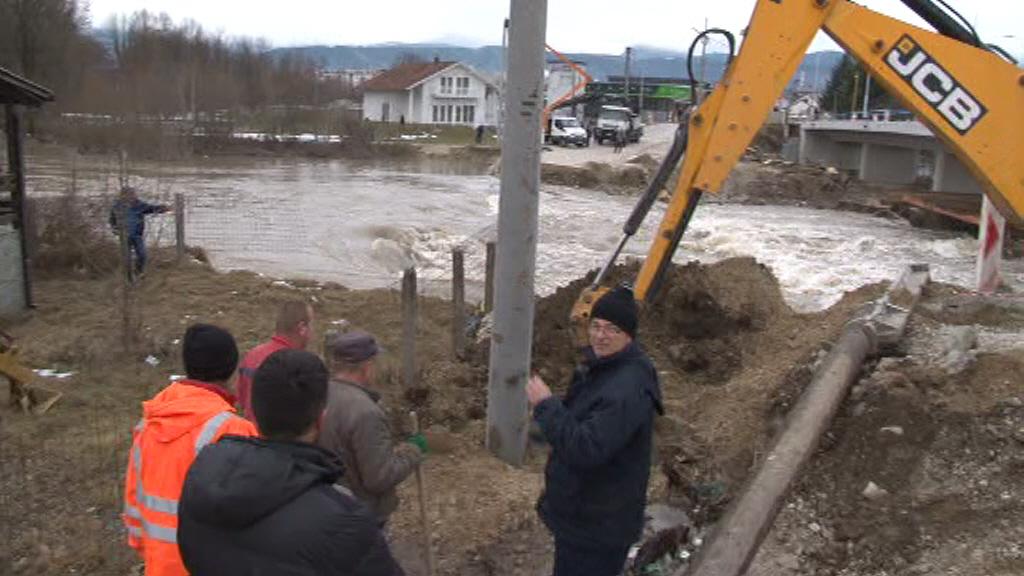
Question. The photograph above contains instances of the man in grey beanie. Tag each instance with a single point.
(356, 428)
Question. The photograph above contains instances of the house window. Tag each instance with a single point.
(462, 87)
(469, 114)
(446, 85)
(458, 114)
(449, 113)
(435, 114)
(385, 111)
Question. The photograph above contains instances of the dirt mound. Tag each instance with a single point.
(699, 321)
(629, 178)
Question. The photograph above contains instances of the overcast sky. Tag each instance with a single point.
(573, 25)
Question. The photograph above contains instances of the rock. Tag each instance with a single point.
(874, 492)
(897, 430)
(887, 364)
(958, 343)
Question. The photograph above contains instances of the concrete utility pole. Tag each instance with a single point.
(504, 79)
(507, 414)
(625, 74)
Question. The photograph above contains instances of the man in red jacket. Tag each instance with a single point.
(294, 330)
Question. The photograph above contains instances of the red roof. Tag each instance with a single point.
(404, 76)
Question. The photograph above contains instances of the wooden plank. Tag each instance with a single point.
(458, 303)
(409, 304)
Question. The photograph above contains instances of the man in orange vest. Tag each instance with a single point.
(176, 424)
(293, 330)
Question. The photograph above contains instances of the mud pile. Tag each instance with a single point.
(702, 321)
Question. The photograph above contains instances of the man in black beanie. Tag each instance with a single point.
(595, 482)
(176, 425)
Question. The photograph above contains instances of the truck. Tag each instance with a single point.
(610, 119)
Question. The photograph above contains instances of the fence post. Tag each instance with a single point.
(179, 224)
(31, 228)
(128, 279)
(409, 328)
(458, 302)
(489, 278)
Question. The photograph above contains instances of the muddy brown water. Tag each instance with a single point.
(359, 223)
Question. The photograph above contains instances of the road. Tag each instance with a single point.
(656, 140)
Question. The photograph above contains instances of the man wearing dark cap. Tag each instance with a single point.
(269, 505)
(595, 482)
(356, 427)
(176, 425)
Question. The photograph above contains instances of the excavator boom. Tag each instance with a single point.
(972, 100)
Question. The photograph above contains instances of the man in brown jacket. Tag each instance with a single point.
(355, 426)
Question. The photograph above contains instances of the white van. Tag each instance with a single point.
(567, 130)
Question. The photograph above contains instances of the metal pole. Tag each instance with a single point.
(409, 328)
(853, 96)
(458, 302)
(878, 327)
(640, 105)
(517, 234)
(867, 93)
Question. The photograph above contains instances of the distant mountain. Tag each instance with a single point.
(813, 73)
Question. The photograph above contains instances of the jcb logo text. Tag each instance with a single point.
(945, 94)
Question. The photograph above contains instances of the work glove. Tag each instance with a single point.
(420, 441)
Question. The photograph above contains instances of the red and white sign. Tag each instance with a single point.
(991, 230)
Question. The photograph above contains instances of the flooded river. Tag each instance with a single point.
(357, 224)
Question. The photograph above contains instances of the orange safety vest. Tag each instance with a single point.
(176, 424)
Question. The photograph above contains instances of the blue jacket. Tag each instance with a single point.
(137, 211)
(595, 483)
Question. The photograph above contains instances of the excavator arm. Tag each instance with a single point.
(972, 100)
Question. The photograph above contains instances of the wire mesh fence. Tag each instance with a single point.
(272, 232)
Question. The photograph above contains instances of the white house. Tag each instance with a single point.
(431, 93)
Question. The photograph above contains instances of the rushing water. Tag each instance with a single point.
(358, 223)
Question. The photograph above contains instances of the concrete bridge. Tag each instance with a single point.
(885, 152)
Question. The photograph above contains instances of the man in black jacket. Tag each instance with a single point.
(595, 483)
(269, 505)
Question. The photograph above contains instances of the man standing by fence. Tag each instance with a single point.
(293, 329)
(133, 211)
(176, 424)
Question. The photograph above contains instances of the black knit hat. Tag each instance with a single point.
(618, 307)
(209, 352)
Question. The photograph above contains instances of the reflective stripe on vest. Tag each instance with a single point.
(164, 505)
(210, 429)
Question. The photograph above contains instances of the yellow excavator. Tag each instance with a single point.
(971, 95)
